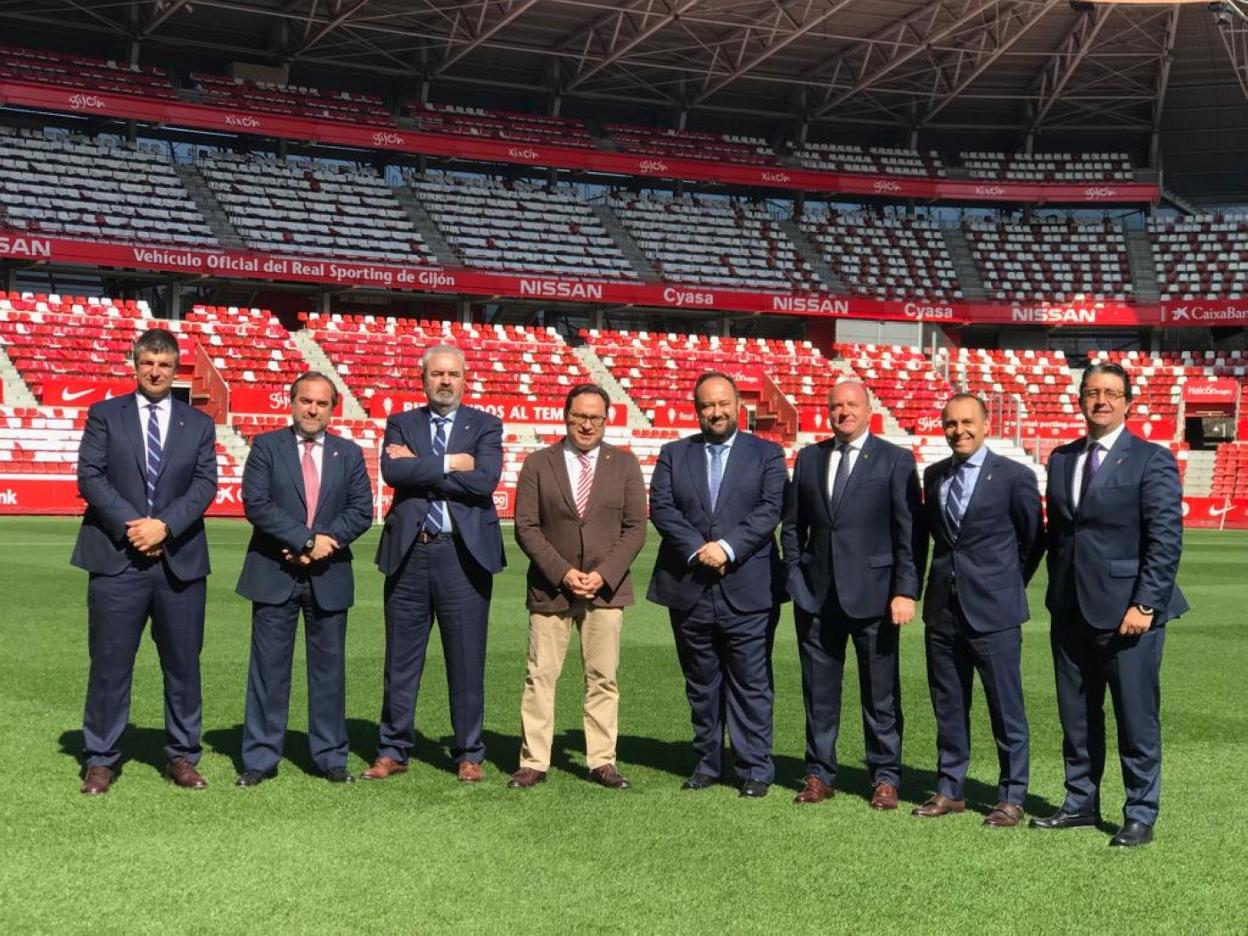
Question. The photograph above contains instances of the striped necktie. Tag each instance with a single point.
(153, 454)
(1091, 465)
(953, 499)
(716, 475)
(437, 509)
(584, 483)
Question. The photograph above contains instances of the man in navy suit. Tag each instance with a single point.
(854, 549)
(715, 499)
(1115, 534)
(983, 513)
(306, 493)
(439, 550)
(147, 468)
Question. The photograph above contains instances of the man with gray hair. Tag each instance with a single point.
(147, 468)
(439, 550)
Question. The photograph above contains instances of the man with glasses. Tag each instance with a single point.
(1115, 533)
(581, 520)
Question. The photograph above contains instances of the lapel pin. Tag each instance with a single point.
(989, 478)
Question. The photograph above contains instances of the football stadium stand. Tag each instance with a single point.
(499, 125)
(267, 97)
(1201, 257)
(891, 258)
(873, 160)
(1057, 261)
(1049, 167)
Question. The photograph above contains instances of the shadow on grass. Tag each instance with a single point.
(141, 745)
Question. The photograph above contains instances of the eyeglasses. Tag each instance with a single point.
(585, 420)
(1113, 396)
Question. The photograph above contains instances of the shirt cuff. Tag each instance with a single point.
(723, 544)
(446, 464)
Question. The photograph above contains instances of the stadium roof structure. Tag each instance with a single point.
(1168, 81)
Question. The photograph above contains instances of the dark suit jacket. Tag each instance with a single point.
(751, 496)
(555, 537)
(276, 504)
(997, 550)
(872, 548)
(1122, 546)
(417, 481)
(112, 479)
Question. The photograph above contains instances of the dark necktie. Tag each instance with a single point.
(153, 455)
(716, 472)
(953, 499)
(433, 519)
(1091, 465)
(842, 476)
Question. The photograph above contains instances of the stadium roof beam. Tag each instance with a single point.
(341, 17)
(898, 44)
(1232, 24)
(161, 11)
(1058, 71)
(1162, 85)
(509, 12)
(625, 35)
(998, 38)
(777, 41)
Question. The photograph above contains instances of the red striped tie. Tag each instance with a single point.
(584, 483)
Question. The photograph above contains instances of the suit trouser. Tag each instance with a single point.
(549, 635)
(118, 607)
(821, 643)
(726, 659)
(954, 652)
(441, 579)
(273, 631)
(1087, 660)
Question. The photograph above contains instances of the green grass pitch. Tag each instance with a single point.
(423, 853)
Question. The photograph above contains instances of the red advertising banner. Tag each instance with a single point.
(815, 419)
(1154, 430)
(41, 494)
(82, 391)
(510, 410)
(266, 400)
(1215, 512)
(243, 264)
(1220, 391)
(370, 136)
(1204, 313)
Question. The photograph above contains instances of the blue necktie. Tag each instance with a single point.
(433, 519)
(153, 455)
(841, 478)
(717, 471)
(953, 499)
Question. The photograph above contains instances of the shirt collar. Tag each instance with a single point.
(450, 417)
(1106, 441)
(727, 443)
(856, 444)
(163, 405)
(572, 450)
(976, 460)
(319, 440)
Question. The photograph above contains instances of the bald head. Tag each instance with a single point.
(849, 409)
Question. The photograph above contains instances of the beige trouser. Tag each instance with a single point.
(600, 654)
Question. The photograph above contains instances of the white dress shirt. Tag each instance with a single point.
(1106, 442)
(853, 451)
(164, 412)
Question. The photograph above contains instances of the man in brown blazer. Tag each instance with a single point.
(581, 520)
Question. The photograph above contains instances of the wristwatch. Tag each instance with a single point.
(1145, 609)
(310, 544)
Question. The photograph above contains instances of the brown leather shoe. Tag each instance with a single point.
(608, 776)
(938, 805)
(183, 773)
(384, 767)
(884, 797)
(470, 772)
(815, 791)
(97, 780)
(526, 777)
(1004, 816)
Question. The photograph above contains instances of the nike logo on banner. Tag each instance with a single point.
(1219, 511)
(68, 396)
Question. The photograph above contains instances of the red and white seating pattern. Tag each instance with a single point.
(1038, 380)
(1202, 257)
(1049, 167)
(714, 242)
(1057, 261)
(499, 125)
(1156, 383)
(901, 378)
(80, 71)
(691, 144)
(499, 225)
(1230, 471)
(247, 346)
(873, 160)
(376, 355)
(891, 258)
(79, 187)
(313, 209)
(268, 97)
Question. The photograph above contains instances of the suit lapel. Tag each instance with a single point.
(821, 476)
(173, 438)
(564, 480)
(288, 454)
(858, 469)
(460, 428)
(130, 417)
(1072, 459)
(695, 462)
(981, 485)
(331, 470)
(734, 454)
(1109, 462)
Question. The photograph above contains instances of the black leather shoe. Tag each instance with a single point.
(755, 789)
(1065, 820)
(338, 775)
(250, 778)
(698, 781)
(1132, 834)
